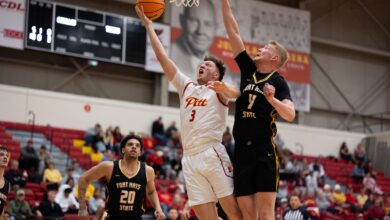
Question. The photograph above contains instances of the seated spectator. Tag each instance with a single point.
(338, 195)
(67, 201)
(155, 160)
(300, 184)
(328, 192)
(322, 201)
(19, 208)
(172, 128)
(52, 176)
(351, 200)
(281, 208)
(44, 159)
(311, 183)
(178, 201)
(369, 202)
(318, 170)
(369, 182)
(158, 131)
(362, 198)
(49, 209)
(71, 175)
(283, 190)
(117, 135)
(376, 211)
(109, 138)
(29, 157)
(358, 173)
(368, 167)
(165, 198)
(344, 153)
(96, 202)
(296, 211)
(360, 154)
(34, 176)
(15, 176)
(173, 214)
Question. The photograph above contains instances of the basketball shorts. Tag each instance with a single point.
(208, 175)
(256, 168)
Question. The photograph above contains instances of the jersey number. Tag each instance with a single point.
(192, 115)
(251, 100)
(127, 197)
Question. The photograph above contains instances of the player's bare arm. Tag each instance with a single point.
(167, 64)
(151, 193)
(103, 169)
(285, 108)
(227, 91)
(232, 30)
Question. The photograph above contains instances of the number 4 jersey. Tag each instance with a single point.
(203, 115)
(126, 194)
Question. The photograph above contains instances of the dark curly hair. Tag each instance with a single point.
(220, 65)
(132, 136)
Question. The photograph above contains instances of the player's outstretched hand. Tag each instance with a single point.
(217, 86)
(159, 214)
(142, 16)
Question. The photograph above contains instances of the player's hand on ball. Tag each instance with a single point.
(217, 86)
(142, 16)
(269, 91)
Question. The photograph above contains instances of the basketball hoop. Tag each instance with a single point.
(185, 3)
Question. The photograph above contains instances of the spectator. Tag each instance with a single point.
(369, 182)
(34, 176)
(44, 159)
(283, 190)
(52, 176)
(344, 153)
(358, 173)
(167, 171)
(351, 200)
(311, 183)
(173, 214)
(158, 131)
(362, 198)
(178, 201)
(19, 208)
(71, 175)
(117, 135)
(296, 211)
(49, 209)
(109, 138)
(338, 195)
(328, 192)
(368, 167)
(155, 160)
(172, 128)
(227, 141)
(300, 184)
(29, 157)
(96, 202)
(67, 201)
(165, 198)
(360, 154)
(15, 176)
(318, 170)
(322, 201)
(109, 155)
(282, 208)
(376, 211)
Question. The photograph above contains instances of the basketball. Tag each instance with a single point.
(153, 9)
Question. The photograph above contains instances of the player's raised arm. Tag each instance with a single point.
(231, 27)
(167, 64)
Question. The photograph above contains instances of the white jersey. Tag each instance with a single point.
(203, 115)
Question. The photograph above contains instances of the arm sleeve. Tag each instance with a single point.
(246, 65)
(282, 90)
(180, 81)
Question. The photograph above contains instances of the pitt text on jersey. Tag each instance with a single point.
(195, 102)
(128, 193)
(251, 101)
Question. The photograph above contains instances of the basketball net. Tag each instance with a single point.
(185, 3)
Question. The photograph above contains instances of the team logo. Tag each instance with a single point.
(195, 102)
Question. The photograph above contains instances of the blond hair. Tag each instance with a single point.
(282, 53)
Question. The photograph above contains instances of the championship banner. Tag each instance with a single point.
(12, 16)
(199, 31)
(164, 34)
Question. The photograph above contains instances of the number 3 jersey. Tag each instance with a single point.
(126, 194)
(203, 115)
(255, 117)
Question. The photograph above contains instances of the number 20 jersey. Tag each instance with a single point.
(203, 115)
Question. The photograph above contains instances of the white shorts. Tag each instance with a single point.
(208, 175)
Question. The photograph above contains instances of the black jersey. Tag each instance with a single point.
(255, 117)
(3, 195)
(126, 195)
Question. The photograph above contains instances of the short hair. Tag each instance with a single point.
(282, 52)
(220, 65)
(3, 148)
(129, 137)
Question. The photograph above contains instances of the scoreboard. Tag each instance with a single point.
(80, 32)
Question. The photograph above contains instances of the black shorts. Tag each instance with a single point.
(256, 168)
